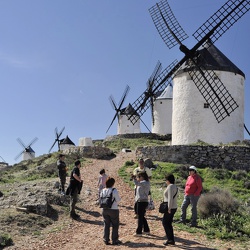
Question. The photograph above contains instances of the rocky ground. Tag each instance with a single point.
(86, 233)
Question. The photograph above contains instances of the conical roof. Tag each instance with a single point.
(167, 93)
(129, 110)
(212, 59)
(66, 140)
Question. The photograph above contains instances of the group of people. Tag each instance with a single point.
(141, 177)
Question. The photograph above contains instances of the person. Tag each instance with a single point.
(193, 190)
(102, 181)
(141, 202)
(111, 215)
(170, 196)
(142, 168)
(74, 188)
(62, 172)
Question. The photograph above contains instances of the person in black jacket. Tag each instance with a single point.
(74, 188)
(62, 172)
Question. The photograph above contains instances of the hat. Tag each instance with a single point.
(192, 168)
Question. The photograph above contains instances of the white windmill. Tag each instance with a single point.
(27, 152)
(163, 112)
(208, 90)
(125, 126)
(192, 116)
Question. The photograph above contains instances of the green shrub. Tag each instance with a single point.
(5, 240)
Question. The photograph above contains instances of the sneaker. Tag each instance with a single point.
(168, 242)
(193, 225)
(137, 235)
(118, 242)
(146, 233)
(136, 216)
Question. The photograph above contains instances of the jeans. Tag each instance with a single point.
(62, 177)
(142, 221)
(167, 221)
(193, 200)
(73, 200)
(111, 216)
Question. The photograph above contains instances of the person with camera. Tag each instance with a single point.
(170, 196)
(141, 202)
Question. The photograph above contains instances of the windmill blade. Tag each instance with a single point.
(221, 107)
(127, 88)
(117, 109)
(156, 71)
(112, 102)
(60, 133)
(32, 142)
(167, 25)
(52, 146)
(19, 154)
(214, 92)
(160, 83)
(152, 110)
(21, 143)
(116, 115)
(222, 20)
(246, 129)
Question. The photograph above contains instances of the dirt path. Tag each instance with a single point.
(87, 232)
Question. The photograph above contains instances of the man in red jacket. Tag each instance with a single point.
(193, 190)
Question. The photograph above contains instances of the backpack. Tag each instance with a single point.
(106, 200)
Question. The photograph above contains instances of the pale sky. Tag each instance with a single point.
(60, 61)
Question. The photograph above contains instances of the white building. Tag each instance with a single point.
(192, 118)
(66, 143)
(162, 112)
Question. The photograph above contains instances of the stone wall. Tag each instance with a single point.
(229, 157)
(90, 152)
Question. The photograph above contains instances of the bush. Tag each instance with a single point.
(5, 240)
(217, 202)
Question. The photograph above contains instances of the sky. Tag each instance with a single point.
(60, 61)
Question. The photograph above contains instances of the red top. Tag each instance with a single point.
(193, 185)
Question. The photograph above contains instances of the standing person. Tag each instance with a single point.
(111, 215)
(102, 181)
(62, 172)
(170, 196)
(141, 202)
(74, 188)
(142, 168)
(193, 190)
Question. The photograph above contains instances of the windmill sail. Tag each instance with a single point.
(214, 92)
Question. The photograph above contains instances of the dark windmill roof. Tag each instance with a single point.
(212, 59)
(66, 140)
(29, 150)
(129, 110)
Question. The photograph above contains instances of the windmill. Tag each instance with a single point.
(57, 139)
(27, 152)
(209, 85)
(124, 124)
(149, 94)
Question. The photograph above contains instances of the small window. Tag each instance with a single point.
(206, 105)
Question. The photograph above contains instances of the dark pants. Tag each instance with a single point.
(62, 176)
(167, 221)
(142, 221)
(73, 200)
(111, 216)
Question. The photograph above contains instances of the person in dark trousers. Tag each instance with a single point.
(111, 215)
(74, 188)
(193, 190)
(141, 202)
(170, 196)
(62, 172)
